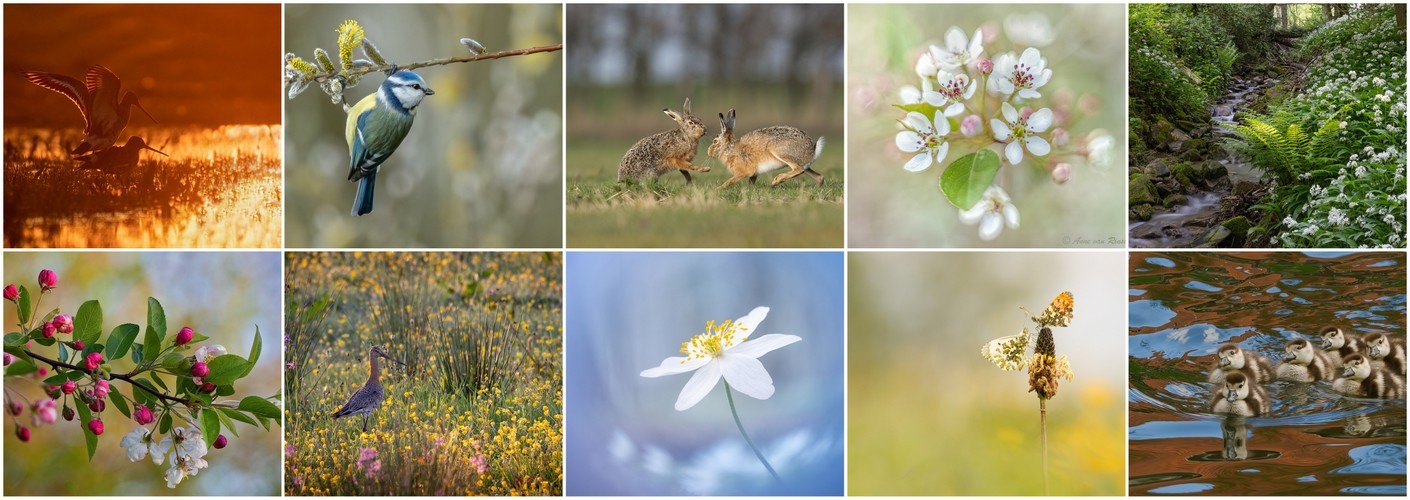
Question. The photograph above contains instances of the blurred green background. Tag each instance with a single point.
(1085, 47)
(223, 296)
(928, 415)
(482, 167)
(773, 64)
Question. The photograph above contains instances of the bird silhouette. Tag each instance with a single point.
(104, 114)
(116, 159)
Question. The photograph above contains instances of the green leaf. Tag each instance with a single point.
(19, 352)
(157, 381)
(254, 352)
(156, 318)
(237, 415)
(120, 403)
(88, 323)
(88, 437)
(923, 108)
(227, 368)
(142, 397)
(164, 426)
(24, 305)
(15, 339)
(259, 406)
(57, 379)
(176, 363)
(224, 421)
(120, 340)
(20, 367)
(151, 344)
(965, 180)
(210, 425)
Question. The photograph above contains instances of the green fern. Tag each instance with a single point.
(1276, 146)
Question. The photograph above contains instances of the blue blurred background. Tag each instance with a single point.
(631, 310)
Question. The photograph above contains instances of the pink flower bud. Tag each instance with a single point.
(143, 415)
(971, 125)
(207, 387)
(45, 412)
(199, 369)
(68, 414)
(68, 387)
(63, 322)
(1060, 137)
(184, 336)
(49, 330)
(22, 432)
(1061, 173)
(96, 426)
(101, 388)
(9, 359)
(78, 345)
(16, 408)
(986, 66)
(220, 441)
(93, 361)
(48, 280)
(97, 405)
(12, 293)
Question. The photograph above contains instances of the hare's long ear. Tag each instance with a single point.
(686, 106)
(724, 124)
(672, 114)
(731, 119)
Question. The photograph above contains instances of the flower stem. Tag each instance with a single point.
(1043, 431)
(757, 453)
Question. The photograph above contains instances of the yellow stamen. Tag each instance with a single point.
(717, 338)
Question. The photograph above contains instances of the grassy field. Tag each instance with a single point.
(603, 213)
(477, 410)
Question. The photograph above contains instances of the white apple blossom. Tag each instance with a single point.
(925, 139)
(993, 212)
(958, 50)
(1022, 133)
(1022, 75)
(954, 90)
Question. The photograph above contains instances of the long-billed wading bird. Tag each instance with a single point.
(376, 126)
(369, 397)
(119, 159)
(104, 115)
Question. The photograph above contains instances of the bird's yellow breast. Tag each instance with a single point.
(363, 106)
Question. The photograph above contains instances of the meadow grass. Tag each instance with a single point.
(669, 213)
(478, 408)
(220, 187)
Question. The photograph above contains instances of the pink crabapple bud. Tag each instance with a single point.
(93, 361)
(22, 432)
(101, 388)
(220, 441)
(48, 279)
(9, 359)
(199, 369)
(208, 387)
(971, 125)
(1060, 137)
(986, 66)
(68, 414)
(12, 293)
(16, 408)
(68, 387)
(1061, 173)
(143, 415)
(78, 344)
(44, 412)
(49, 330)
(63, 322)
(185, 335)
(97, 405)
(96, 426)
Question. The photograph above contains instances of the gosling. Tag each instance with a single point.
(1231, 359)
(1360, 378)
(1239, 396)
(1386, 351)
(1340, 344)
(1302, 363)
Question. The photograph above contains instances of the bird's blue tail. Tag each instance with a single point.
(362, 205)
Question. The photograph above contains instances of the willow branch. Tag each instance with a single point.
(119, 376)
(438, 62)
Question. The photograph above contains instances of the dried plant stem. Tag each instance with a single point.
(437, 62)
(1043, 433)
(757, 453)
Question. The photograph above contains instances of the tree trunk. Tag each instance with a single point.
(1400, 16)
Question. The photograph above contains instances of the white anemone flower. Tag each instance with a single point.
(725, 350)
(1023, 74)
(955, 89)
(958, 50)
(993, 212)
(1022, 133)
(926, 140)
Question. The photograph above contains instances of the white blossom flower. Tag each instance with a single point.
(1100, 148)
(1023, 74)
(955, 89)
(958, 50)
(188, 448)
(993, 212)
(724, 350)
(1022, 133)
(138, 444)
(1031, 29)
(925, 139)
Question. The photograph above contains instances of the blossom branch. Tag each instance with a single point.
(119, 376)
(362, 70)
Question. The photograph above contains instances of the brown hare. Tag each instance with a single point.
(764, 150)
(662, 152)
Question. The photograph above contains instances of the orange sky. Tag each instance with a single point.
(190, 64)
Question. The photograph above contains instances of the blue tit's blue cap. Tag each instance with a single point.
(406, 77)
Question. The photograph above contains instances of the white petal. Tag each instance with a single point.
(918, 122)
(1030, 58)
(1040, 120)
(953, 110)
(942, 125)
(747, 325)
(955, 40)
(1037, 145)
(910, 95)
(934, 98)
(699, 385)
(941, 151)
(1005, 86)
(1001, 129)
(753, 348)
(970, 216)
(969, 91)
(990, 226)
(919, 162)
(1014, 152)
(674, 365)
(747, 375)
(976, 46)
(1042, 78)
(1010, 114)
(1011, 216)
(907, 141)
(1029, 94)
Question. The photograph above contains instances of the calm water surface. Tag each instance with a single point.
(1315, 441)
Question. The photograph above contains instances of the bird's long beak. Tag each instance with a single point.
(158, 151)
(144, 111)
(394, 360)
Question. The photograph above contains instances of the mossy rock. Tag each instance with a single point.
(1175, 200)
(1238, 229)
(1196, 149)
(1161, 130)
(1187, 174)
(1142, 190)
(1142, 212)
(1216, 236)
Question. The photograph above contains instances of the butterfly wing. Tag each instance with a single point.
(1007, 353)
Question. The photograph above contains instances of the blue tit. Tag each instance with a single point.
(376, 126)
